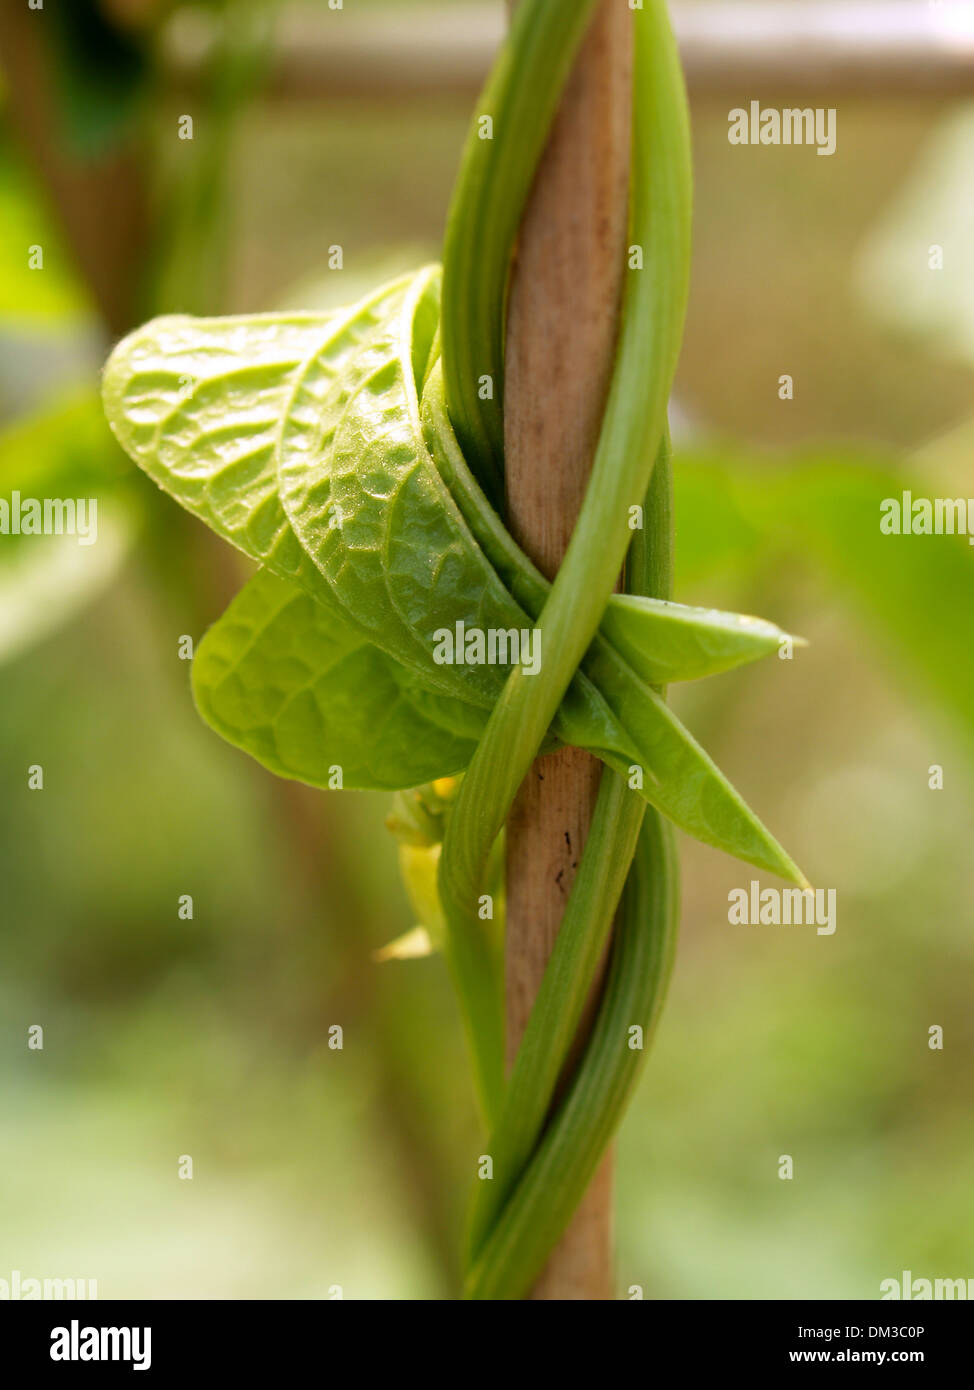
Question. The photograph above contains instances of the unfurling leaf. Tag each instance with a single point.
(313, 443)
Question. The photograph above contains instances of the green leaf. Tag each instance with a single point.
(281, 678)
(198, 404)
(681, 780)
(666, 642)
(285, 680)
(367, 504)
(300, 439)
(297, 439)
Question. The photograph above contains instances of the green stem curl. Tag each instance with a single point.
(516, 109)
(519, 1215)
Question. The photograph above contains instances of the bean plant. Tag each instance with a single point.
(357, 456)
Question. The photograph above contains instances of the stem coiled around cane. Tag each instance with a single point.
(540, 1171)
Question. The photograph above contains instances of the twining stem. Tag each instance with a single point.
(633, 424)
(520, 101)
(562, 326)
(561, 1166)
(649, 911)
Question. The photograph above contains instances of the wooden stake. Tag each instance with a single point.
(562, 327)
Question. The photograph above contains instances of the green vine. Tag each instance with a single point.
(355, 457)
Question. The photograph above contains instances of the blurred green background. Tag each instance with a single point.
(209, 1037)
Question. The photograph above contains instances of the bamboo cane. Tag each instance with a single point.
(563, 319)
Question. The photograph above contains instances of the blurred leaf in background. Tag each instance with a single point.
(29, 297)
(914, 595)
(61, 452)
(102, 73)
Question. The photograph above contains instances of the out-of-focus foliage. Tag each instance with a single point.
(27, 295)
(821, 511)
(62, 452)
(101, 72)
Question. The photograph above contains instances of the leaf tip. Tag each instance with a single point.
(412, 945)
